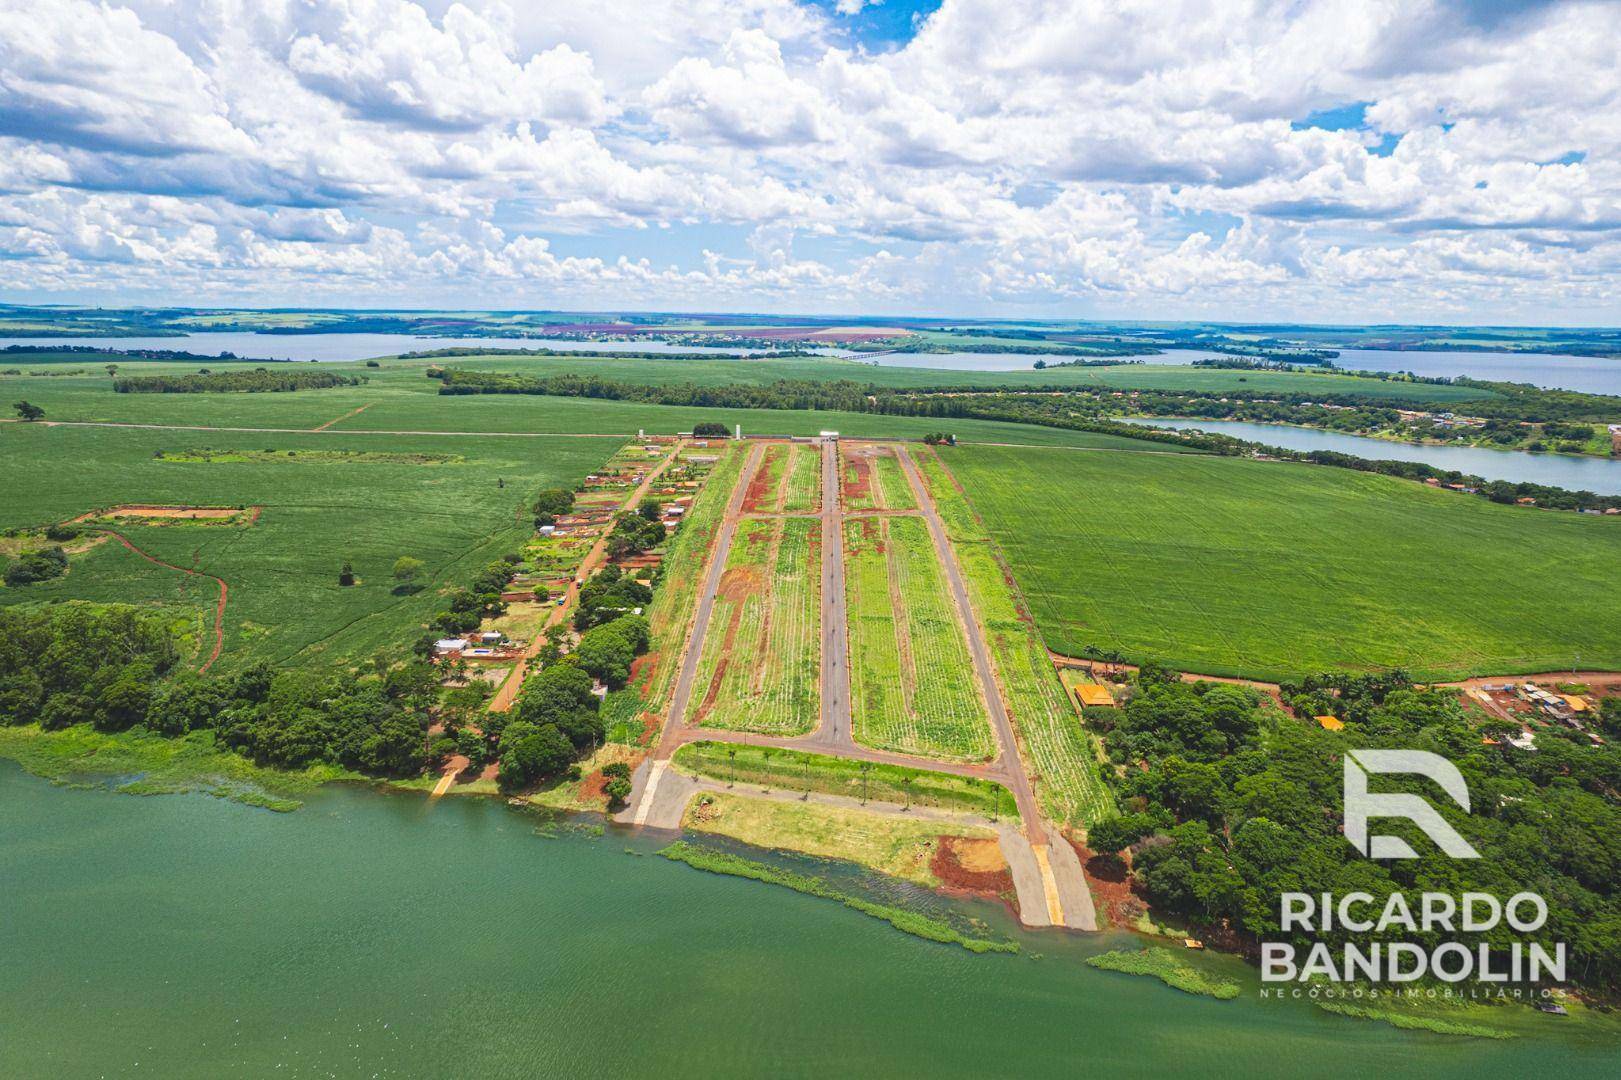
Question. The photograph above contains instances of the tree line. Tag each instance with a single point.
(1075, 411)
(257, 381)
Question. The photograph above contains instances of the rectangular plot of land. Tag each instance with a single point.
(873, 479)
(764, 493)
(803, 491)
(760, 669)
(912, 683)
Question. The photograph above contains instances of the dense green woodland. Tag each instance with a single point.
(257, 381)
(1229, 803)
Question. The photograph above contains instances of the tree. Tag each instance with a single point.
(346, 574)
(29, 411)
(650, 509)
(1110, 836)
(529, 754)
(112, 370)
(561, 696)
(406, 570)
(617, 790)
(711, 429)
(552, 503)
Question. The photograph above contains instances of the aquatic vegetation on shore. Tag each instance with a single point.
(1168, 968)
(911, 922)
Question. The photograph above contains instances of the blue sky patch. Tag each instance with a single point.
(887, 24)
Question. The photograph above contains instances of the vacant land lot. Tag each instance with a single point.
(1061, 756)
(796, 770)
(872, 479)
(912, 685)
(761, 662)
(1266, 569)
(883, 842)
(804, 486)
(285, 603)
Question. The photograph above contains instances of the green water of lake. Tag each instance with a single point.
(371, 934)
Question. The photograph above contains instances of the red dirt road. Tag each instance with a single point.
(508, 693)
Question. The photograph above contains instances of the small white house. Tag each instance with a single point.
(491, 637)
(449, 645)
(548, 530)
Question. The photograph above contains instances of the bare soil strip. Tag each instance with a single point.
(182, 513)
(345, 416)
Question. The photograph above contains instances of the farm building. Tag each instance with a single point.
(449, 646)
(1094, 695)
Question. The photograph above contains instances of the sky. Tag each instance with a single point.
(1352, 161)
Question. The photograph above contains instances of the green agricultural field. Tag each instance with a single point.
(761, 664)
(912, 685)
(1229, 566)
(397, 495)
(399, 398)
(804, 485)
(676, 598)
(1062, 757)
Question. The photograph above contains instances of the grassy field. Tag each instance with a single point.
(761, 664)
(455, 506)
(1060, 755)
(794, 770)
(881, 842)
(912, 684)
(1267, 569)
(676, 598)
(804, 485)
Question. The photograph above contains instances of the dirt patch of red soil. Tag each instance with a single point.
(642, 670)
(1109, 878)
(964, 867)
(759, 490)
(592, 786)
(857, 477)
(249, 514)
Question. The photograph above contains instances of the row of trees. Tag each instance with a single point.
(258, 381)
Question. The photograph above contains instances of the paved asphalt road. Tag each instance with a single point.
(834, 731)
